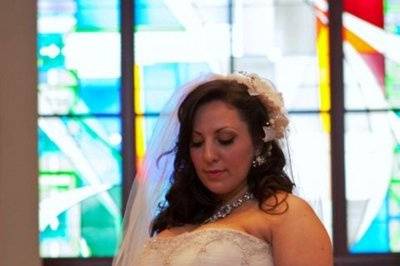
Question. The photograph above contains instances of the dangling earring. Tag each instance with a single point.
(269, 151)
(258, 161)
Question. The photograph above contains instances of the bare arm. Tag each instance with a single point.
(299, 238)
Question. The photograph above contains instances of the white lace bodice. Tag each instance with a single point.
(210, 246)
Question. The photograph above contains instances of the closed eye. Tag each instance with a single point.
(226, 142)
(196, 144)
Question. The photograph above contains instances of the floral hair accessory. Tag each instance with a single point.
(270, 98)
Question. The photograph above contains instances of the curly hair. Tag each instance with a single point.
(188, 201)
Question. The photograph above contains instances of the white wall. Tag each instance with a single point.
(18, 159)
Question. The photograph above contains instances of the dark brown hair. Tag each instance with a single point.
(188, 201)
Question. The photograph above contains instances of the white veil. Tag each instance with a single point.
(153, 180)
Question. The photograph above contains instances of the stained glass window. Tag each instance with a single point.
(372, 86)
(78, 53)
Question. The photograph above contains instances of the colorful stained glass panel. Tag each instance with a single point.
(371, 83)
(372, 175)
(78, 54)
(80, 186)
(78, 51)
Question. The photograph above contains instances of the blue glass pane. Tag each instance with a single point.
(78, 52)
(97, 15)
(149, 125)
(154, 15)
(101, 95)
(161, 80)
(376, 238)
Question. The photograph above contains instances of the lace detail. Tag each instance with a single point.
(210, 246)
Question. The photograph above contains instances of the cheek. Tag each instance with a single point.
(195, 156)
(240, 158)
(241, 163)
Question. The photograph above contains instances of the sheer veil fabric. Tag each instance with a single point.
(153, 179)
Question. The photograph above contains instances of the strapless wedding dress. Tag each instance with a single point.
(210, 246)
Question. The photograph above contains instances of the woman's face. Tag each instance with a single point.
(221, 148)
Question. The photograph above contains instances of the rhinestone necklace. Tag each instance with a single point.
(227, 208)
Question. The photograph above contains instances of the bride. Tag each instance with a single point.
(214, 191)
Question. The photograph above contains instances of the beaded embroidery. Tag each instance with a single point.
(200, 240)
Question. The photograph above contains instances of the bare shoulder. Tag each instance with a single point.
(284, 207)
(174, 231)
(167, 233)
(298, 207)
(298, 236)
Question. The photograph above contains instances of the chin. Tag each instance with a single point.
(219, 189)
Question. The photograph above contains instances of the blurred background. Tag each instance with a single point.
(91, 77)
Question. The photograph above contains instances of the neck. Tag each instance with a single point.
(234, 195)
(229, 206)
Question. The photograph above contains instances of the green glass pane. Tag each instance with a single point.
(80, 186)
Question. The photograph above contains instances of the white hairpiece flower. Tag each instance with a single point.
(270, 98)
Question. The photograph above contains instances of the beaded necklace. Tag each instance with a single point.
(227, 208)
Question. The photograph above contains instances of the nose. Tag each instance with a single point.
(210, 154)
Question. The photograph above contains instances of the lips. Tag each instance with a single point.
(214, 173)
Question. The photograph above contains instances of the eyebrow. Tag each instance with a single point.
(217, 131)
